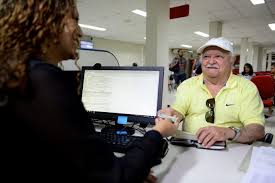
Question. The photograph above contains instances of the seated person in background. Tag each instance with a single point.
(44, 123)
(247, 71)
(218, 105)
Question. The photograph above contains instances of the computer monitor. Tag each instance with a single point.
(123, 94)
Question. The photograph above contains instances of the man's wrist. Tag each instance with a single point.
(236, 131)
(231, 133)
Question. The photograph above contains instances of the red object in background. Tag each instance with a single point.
(236, 71)
(179, 11)
(263, 73)
(265, 85)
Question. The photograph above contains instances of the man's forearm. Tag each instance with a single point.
(251, 133)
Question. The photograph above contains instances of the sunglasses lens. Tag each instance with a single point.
(209, 116)
(210, 103)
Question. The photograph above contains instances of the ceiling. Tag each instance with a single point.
(240, 19)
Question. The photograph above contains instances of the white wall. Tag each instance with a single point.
(126, 53)
(237, 50)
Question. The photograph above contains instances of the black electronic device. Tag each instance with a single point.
(119, 142)
(123, 94)
(182, 138)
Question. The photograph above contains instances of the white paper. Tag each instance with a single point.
(262, 166)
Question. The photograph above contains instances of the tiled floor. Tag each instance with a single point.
(270, 125)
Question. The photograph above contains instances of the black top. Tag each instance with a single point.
(45, 137)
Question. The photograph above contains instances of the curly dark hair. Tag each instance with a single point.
(27, 27)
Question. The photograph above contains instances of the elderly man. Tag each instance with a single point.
(218, 105)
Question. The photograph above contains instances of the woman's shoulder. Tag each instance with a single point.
(40, 71)
(41, 67)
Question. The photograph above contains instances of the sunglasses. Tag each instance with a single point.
(210, 115)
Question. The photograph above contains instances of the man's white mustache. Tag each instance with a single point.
(211, 66)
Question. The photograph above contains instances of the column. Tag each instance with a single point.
(250, 53)
(260, 60)
(156, 48)
(215, 29)
(255, 57)
(269, 60)
(243, 53)
(264, 60)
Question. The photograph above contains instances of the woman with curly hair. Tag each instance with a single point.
(43, 122)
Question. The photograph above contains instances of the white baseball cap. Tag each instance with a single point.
(220, 42)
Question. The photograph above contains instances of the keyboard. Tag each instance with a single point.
(119, 142)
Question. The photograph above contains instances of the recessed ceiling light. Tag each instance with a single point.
(232, 43)
(201, 34)
(92, 27)
(140, 12)
(186, 46)
(144, 38)
(272, 26)
(255, 2)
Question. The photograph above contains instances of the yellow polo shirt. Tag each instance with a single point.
(237, 104)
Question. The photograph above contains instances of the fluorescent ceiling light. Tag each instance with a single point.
(201, 34)
(92, 27)
(255, 2)
(186, 46)
(272, 26)
(140, 12)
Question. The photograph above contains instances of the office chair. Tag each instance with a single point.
(263, 73)
(265, 85)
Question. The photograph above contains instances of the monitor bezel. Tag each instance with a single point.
(131, 118)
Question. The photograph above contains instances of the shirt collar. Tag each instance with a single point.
(231, 82)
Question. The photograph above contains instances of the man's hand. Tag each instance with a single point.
(171, 112)
(207, 136)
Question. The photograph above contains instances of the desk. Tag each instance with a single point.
(192, 165)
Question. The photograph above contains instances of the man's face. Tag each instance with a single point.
(215, 62)
(273, 69)
(69, 38)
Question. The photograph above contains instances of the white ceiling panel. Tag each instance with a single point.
(240, 19)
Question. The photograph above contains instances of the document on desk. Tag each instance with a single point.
(182, 138)
(262, 166)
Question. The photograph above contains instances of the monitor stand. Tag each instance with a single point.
(119, 129)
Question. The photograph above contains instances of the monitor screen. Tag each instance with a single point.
(132, 94)
(86, 45)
